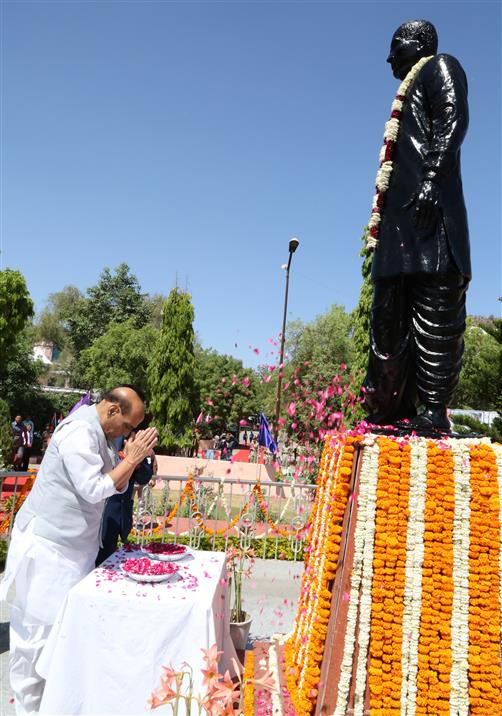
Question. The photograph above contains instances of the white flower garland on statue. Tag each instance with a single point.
(413, 576)
(355, 584)
(367, 579)
(386, 167)
(459, 675)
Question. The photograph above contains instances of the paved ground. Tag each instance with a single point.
(271, 596)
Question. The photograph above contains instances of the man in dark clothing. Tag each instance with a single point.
(117, 515)
(27, 444)
(229, 445)
(421, 266)
(18, 430)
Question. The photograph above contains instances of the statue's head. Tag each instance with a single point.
(411, 41)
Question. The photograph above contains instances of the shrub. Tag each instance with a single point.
(281, 546)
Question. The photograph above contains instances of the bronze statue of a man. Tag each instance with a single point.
(421, 265)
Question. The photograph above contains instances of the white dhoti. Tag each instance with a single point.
(55, 541)
(43, 574)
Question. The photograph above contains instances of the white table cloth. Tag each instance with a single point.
(112, 635)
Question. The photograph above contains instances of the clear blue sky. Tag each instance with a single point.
(192, 140)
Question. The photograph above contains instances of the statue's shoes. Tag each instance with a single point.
(430, 423)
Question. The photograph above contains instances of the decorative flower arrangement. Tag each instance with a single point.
(390, 136)
(189, 493)
(165, 548)
(425, 599)
(240, 561)
(147, 567)
(18, 501)
(305, 647)
(224, 695)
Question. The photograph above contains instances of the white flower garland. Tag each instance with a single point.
(459, 675)
(355, 584)
(386, 167)
(367, 579)
(273, 666)
(412, 602)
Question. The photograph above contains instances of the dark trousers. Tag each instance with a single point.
(117, 522)
(416, 343)
(26, 457)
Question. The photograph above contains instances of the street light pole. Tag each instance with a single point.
(293, 245)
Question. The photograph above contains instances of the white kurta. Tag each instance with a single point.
(45, 570)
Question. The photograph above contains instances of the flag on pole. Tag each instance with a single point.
(84, 400)
(265, 436)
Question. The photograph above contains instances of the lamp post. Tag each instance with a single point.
(293, 245)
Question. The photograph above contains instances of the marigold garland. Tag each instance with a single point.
(189, 493)
(389, 564)
(412, 601)
(498, 456)
(434, 660)
(20, 497)
(360, 585)
(485, 686)
(434, 613)
(305, 646)
(248, 684)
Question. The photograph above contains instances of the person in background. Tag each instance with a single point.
(117, 517)
(27, 444)
(46, 437)
(216, 447)
(28, 421)
(229, 445)
(18, 430)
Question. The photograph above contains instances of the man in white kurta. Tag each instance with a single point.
(56, 535)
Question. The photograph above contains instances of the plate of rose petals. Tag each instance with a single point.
(144, 570)
(166, 552)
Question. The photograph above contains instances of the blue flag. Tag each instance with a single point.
(265, 436)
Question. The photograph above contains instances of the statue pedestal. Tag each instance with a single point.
(401, 600)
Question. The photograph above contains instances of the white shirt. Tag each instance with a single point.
(55, 568)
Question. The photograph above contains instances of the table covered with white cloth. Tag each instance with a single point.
(112, 635)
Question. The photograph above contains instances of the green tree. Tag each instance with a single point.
(119, 356)
(6, 437)
(116, 298)
(171, 375)
(324, 343)
(361, 314)
(16, 308)
(480, 384)
(19, 381)
(227, 391)
(52, 324)
(155, 303)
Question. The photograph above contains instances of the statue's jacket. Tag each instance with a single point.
(433, 124)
